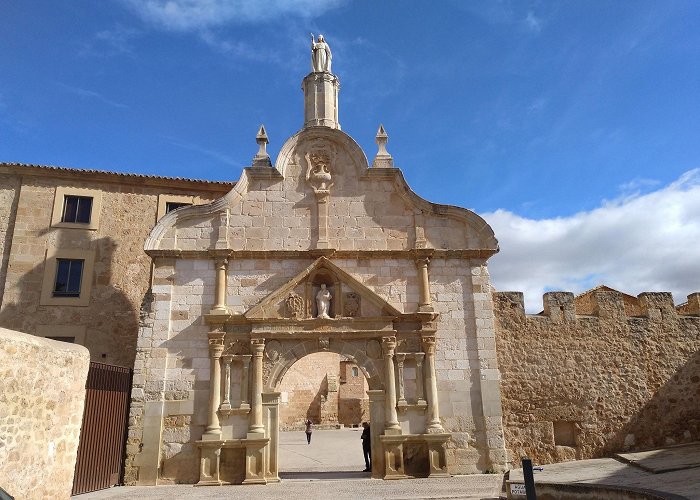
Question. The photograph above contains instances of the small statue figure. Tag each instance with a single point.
(320, 55)
(323, 301)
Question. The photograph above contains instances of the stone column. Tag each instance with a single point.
(424, 302)
(391, 423)
(256, 409)
(431, 383)
(400, 358)
(220, 293)
(226, 403)
(216, 347)
(420, 391)
(245, 362)
(376, 416)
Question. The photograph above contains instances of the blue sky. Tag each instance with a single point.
(559, 122)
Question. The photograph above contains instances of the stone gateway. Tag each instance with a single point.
(320, 253)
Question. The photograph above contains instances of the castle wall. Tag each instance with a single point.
(577, 387)
(41, 411)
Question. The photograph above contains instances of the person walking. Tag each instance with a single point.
(309, 429)
(366, 446)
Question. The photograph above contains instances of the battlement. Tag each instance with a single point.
(602, 302)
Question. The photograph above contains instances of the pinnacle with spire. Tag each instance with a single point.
(262, 159)
(383, 158)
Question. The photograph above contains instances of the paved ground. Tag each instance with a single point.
(330, 467)
(680, 462)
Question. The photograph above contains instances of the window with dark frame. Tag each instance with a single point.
(172, 205)
(77, 209)
(69, 274)
(355, 371)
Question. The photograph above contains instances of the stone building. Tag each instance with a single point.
(320, 253)
(71, 244)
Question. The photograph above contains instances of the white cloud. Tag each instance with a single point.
(193, 15)
(533, 22)
(90, 94)
(636, 243)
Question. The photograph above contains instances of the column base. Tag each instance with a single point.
(255, 458)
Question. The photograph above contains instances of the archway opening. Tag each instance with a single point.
(330, 391)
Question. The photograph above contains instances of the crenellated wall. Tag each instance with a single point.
(578, 386)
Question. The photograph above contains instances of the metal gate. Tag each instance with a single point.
(103, 433)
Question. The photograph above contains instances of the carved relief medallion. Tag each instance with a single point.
(273, 349)
(374, 349)
(294, 305)
(351, 305)
(324, 343)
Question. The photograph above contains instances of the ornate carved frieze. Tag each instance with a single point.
(319, 160)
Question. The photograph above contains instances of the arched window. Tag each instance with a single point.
(355, 372)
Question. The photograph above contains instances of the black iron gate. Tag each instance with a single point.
(103, 433)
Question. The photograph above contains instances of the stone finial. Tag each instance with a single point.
(262, 159)
(383, 158)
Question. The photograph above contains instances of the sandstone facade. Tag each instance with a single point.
(578, 386)
(117, 272)
(234, 307)
(41, 410)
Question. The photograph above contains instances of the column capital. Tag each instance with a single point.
(400, 358)
(388, 345)
(422, 261)
(216, 343)
(428, 344)
(257, 346)
(419, 357)
(220, 253)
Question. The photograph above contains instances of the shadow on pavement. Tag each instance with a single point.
(321, 476)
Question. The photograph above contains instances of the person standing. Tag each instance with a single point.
(309, 429)
(366, 446)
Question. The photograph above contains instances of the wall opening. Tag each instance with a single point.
(331, 391)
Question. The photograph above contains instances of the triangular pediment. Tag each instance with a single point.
(297, 299)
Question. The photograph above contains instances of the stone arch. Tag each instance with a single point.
(293, 350)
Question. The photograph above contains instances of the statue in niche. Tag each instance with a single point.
(320, 55)
(323, 302)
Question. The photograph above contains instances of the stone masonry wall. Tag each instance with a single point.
(466, 366)
(353, 402)
(41, 411)
(9, 192)
(305, 390)
(171, 373)
(121, 271)
(577, 387)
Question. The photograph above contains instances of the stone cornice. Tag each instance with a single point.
(329, 253)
